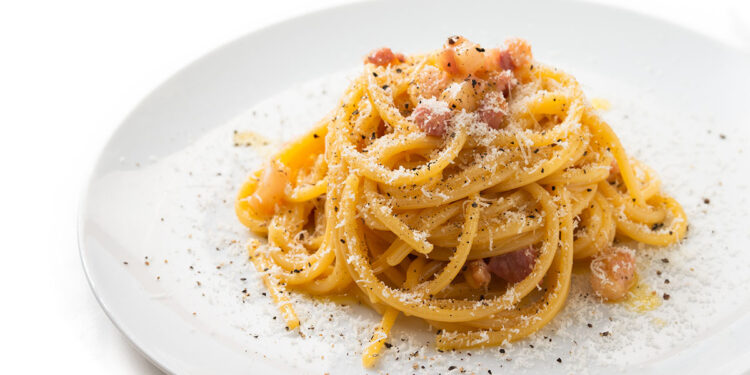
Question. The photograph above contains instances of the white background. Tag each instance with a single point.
(69, 73)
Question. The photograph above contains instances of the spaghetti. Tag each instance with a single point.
(459, 187)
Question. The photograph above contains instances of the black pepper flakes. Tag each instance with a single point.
(559, 360)
(666, 297)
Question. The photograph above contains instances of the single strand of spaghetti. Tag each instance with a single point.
(308, 192)
(373, 349)
(466, 292)
(647, 214)
(611, 228)
(430, 269)
(577, 176)
(371, 221)
(549, 103)
(414, 271)
(262, 265)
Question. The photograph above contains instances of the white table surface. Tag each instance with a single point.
(69, 73)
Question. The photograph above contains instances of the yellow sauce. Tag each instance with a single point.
(582, 267)
(659, 322)
(601, 104)
(252, 139)
(642, 298)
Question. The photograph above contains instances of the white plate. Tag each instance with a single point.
(160, 185)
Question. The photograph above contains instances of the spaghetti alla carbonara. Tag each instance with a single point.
(457, 186)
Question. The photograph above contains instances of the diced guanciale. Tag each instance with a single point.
(384, 56)
(492, 109)
(477, 274)
(270, 191)
(514, 266)
(432, 116)
(613, 273)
